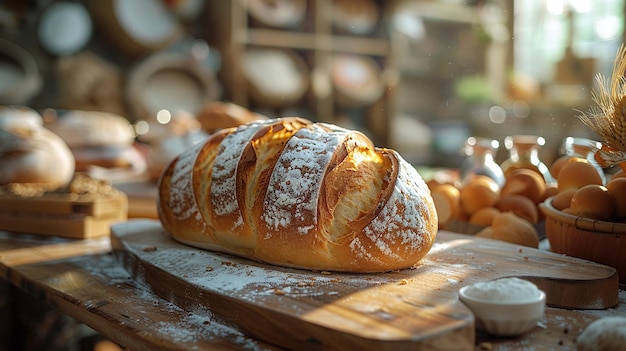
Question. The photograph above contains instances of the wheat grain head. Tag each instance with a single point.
(608, 117)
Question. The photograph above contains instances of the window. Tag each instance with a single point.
(544, 29)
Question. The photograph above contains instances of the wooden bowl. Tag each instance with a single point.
(593, 240)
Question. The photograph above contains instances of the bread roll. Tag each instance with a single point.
(524, 182)
(446, 198)
(508, 227)
(298, 194)
(81, 129)
(218, 115)
(19, 116)
(484, 216)
(479, 192)
(520, 205)
(604, 334)
(32, 154)
(97, 139)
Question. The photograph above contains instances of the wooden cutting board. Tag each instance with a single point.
(414, 308)
(76, 217)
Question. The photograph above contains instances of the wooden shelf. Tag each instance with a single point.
(318, 42)
(315, 41)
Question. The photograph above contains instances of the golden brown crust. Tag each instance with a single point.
(300, 194)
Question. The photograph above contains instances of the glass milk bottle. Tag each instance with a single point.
(524, 153)
(583, 148)
(480, 159)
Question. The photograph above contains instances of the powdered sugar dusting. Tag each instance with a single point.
(224, 175)
(399, 225)
(182, 201)
(295, 183)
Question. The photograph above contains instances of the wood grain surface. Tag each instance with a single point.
(74, 216)
(415, 308)
(83, 280)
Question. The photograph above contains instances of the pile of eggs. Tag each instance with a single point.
(511, 212)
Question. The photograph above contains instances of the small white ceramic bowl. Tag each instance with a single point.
(504, 318)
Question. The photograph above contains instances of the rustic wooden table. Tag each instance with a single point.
(82, 279)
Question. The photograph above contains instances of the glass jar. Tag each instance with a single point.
(583, 148)
(480, 159)
(524, 153)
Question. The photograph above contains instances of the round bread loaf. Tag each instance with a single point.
(604, 334)
(299, 194)
(30, 153)
(219, 115)
(19, 116)
(97, 138)
(81, 129)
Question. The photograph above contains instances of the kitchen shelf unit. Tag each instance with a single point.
(317, 40)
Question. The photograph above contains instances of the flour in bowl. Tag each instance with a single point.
(504, 290)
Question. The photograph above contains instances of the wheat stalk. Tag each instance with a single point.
(608, 117)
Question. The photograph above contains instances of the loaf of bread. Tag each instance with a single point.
(299, 194)
(218, 115)
(30, 153)
(97, 139)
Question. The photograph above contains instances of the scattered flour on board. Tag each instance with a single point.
(238, 278)
(188, 328)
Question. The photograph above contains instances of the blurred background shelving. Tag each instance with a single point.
(317, 35)
(418, 76)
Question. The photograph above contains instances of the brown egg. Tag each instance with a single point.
(479, 192)
(520, 205)
(484, 216)
(619, 174)
(577, 175)
(593, 201)
(446, 198)
(617, 188)
(551, 190)
(563, 199)
(557, 164)
(524, 182)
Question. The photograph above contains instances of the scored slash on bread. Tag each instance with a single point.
(295, 193)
